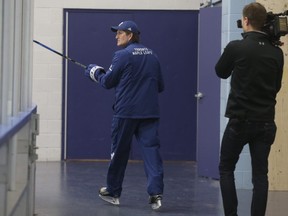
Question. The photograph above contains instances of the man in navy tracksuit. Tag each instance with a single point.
(136, 76)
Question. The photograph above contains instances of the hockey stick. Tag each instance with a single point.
(66, 57)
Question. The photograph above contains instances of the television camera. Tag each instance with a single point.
(276, 26)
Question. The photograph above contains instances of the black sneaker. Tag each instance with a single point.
(106, 196)
(155, 201)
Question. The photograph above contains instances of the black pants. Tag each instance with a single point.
(260, 136)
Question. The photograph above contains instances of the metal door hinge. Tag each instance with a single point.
(34, 132)
(35, 123)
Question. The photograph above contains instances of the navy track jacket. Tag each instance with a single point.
(136, 75)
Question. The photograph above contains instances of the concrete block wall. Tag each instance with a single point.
(47, 66)
(47, 76)
(231, 12)
(278, 160)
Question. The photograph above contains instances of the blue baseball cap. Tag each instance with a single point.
(126, 26)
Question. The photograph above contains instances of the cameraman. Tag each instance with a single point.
(256, 68)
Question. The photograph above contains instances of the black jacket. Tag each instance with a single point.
(256, 68)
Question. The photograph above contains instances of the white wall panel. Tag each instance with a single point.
(120, 4)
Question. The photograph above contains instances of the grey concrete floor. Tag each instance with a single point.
(71, 189)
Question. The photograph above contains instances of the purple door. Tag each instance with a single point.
(208, 95)
(88, 107)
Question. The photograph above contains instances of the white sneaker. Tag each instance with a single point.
(106, 196)
(155, 201)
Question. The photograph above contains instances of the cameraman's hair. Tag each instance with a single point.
(256, 14)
